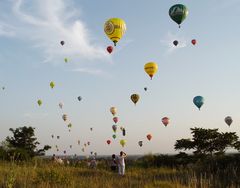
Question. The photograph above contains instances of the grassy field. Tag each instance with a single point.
(44, 174)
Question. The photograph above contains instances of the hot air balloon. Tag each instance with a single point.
(175, 43)
(57, 150)
(3, 88)
(109, 49)
(69, 125)
(85, 144)
(62, 42)
(115, 28)
(58, 137)
(79, 98)
(52, 85)
(113, 110)
(91, 152)
(165, 121)
(78, 142)
(228, 120)
(135, 98)
(95, 154)
(70, 146)
(56, 146)
(82, 149)
(65, 60)
(91, 129)
(88, 143)
(115, 119)
(114, 136)
(178, 13)
(60, 105)
(124, 132)
(123, 142)
(39, 102)
(140, 143)
(198, 101)
(151, 68)
(52, 136)
(194, 41)
(145, 88)
(149, 137)
(108, 142)
(64, 152)
(64, 117)
(114, 127)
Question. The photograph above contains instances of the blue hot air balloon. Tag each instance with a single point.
(198, 101)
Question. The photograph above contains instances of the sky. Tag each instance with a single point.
(31, 57)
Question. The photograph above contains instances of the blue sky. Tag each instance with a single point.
(31, 57)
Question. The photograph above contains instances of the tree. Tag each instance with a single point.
(208, 141)
(23, 144)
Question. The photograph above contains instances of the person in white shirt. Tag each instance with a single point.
(121, 163)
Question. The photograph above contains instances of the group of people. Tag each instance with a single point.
(119, 163)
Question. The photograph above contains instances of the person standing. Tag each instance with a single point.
(121, 163)
(113, 163)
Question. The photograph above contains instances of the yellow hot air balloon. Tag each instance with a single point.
(123, 142)
(151, 68)
(113, 110)
(115, 29)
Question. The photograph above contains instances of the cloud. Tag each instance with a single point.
(168, 41)
(46, 22)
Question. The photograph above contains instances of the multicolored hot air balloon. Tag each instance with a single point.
(123, 142)
(198, 101)
(140, 143)
(109, 49)
(39, 102)
(165, 121)
(115, 119)
(108, 142)
(113, 110)
(228, 120)
(175, 43)
(115, 28)
(114, 127)
(151, 68)
(135, 98)
(178, 13)
(52, 85)
(64, 117)
(149, 137)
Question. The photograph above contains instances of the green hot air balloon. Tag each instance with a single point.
(178, 13)
(66, 60)
(198, 101)
(114, 136)
(52, 84)
(39, 102)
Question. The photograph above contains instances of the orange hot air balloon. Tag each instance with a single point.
(149, 137)
(165, 121)
(108, 142)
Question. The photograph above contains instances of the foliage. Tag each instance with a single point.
(23, 144)
(208, 141)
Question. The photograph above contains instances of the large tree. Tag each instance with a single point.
(208, 141)
(23, 144)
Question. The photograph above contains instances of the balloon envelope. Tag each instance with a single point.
(198, 101)
(114, 127)
(140, 143)
(114, 136)
(228, 120)
(79, 98)
(194, 41)
(115, 28)
(52, 85)
(64, 117)
(108, 142)
(135, 98)
(113, 110)
(123, 142)
(60, 105)
(165, 121)
(39, 102)
(149, 137)
(109, 49)
(115, 119)
(151, 68)
(178, 13)
(175, 43)
(62, 42)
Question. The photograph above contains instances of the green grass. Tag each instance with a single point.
(44, 174)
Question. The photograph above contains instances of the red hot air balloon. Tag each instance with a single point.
(149, 137)
(165, 121)
(109, 49)
(115, 119)
(194, 41)
(108, 142)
